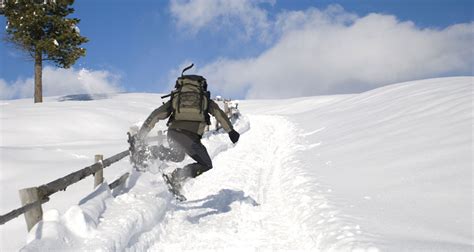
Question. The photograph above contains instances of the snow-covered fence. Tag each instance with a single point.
(32, 198)
(230, 109)
(63, 183)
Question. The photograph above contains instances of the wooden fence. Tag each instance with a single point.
(32, 198)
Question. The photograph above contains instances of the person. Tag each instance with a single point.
(186, 126)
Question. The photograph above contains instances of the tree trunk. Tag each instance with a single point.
(38, 76)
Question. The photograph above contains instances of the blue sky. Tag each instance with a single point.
(143, 43)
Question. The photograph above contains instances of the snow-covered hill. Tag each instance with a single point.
(389, 169)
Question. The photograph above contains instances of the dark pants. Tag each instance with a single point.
(183, 142)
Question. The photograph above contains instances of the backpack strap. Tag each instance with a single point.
(206, 111)
(171, 118)
(168, 95)
(186, 69)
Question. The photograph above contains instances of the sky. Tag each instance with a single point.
(255, 48)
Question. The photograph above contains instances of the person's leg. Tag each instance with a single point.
(203, 161)
(191, 144)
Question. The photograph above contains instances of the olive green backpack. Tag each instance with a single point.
(190, 99)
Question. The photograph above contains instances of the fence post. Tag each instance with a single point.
(226, 107)
(99, 175)
(33, 216)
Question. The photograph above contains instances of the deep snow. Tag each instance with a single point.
(389, 169)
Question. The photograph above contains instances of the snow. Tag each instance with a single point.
(385, 170)
(75, 28)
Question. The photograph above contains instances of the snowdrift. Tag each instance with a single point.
(397, 160)
(389, 169)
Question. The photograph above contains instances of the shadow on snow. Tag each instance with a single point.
(218, 203)
(83, 97)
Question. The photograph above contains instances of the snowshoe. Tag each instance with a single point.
(174, 187)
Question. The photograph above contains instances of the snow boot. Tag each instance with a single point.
(178, 176)
(174, 183)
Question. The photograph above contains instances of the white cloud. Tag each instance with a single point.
(196, 15)
(59, 81)
(333, 51)
(16, 89)
(5, 91)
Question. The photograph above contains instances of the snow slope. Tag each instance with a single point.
(389, 169)
(398, 160)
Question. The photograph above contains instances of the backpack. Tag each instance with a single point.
(190, 99)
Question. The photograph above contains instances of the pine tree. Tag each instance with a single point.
(43, 31)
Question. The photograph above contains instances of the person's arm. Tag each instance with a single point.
(221, 117)
(163, 112)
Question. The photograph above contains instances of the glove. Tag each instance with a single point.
(234, 136)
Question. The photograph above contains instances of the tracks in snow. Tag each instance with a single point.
(253, 198)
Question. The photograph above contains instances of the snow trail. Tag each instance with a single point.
(256, 197)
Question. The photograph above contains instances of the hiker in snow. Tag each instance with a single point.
(188, 110)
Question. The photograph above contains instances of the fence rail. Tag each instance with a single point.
(62, 183)
(32, 198)
(17, 212)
